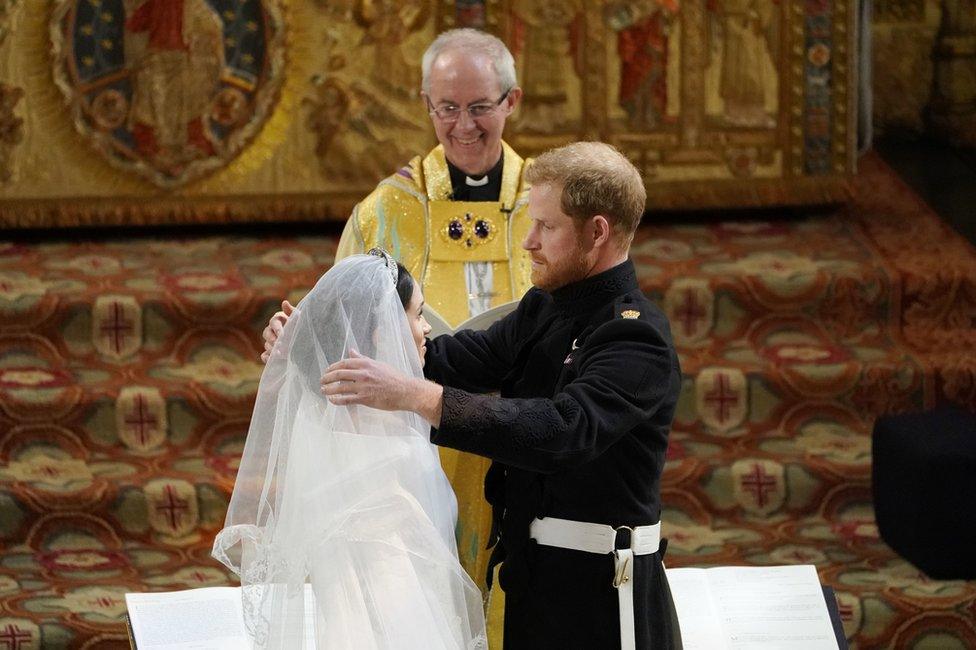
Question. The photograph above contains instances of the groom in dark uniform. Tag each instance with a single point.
(588, 381)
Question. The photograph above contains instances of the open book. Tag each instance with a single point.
(210, 618)
(778, 607)
(439, 326)
(775, 607)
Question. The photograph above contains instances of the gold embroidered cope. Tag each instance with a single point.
(410, 214)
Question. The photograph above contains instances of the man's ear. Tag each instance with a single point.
(513, 99)
(602, 230)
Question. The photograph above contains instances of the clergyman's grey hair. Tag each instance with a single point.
(474, 42)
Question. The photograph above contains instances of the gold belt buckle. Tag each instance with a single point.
(620, 576)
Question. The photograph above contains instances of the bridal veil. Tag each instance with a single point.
(349, 500)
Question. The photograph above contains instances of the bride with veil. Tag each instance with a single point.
(351, 501)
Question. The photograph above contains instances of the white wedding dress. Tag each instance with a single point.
(350, 500)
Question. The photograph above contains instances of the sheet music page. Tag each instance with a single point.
(211, 618)
(767, 608)
(309, 617)
(697, 616)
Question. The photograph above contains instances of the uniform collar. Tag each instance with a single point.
(598, 289)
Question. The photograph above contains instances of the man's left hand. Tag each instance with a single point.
(361, 380)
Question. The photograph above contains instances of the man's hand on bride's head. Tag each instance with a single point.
(275, 326)
(361, 380)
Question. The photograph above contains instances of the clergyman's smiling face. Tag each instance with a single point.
(462, 79)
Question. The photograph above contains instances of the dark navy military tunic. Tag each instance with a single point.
(588, 381)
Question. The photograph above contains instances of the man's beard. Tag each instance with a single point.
(565, 269)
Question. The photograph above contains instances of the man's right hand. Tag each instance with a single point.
(274, 329)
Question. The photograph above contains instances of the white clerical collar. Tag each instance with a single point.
(476, 182)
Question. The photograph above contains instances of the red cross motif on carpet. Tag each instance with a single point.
(116, 328)
(141, 417)
(174, 511)
(117, 322)
(758, 485)
(12, 637)
(141, 421)
(721, 399)
(690, 306)
(690, 313)
(174, 507)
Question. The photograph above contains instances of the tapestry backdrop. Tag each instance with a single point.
(169, 111)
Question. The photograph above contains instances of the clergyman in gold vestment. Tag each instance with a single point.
(456, 219)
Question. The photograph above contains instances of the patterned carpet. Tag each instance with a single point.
(128, 369)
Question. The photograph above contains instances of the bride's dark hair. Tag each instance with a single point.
(404, 285)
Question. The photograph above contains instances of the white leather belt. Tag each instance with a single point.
(602, 539)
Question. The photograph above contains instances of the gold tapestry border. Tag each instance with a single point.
(71, 213)
(53, 213)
